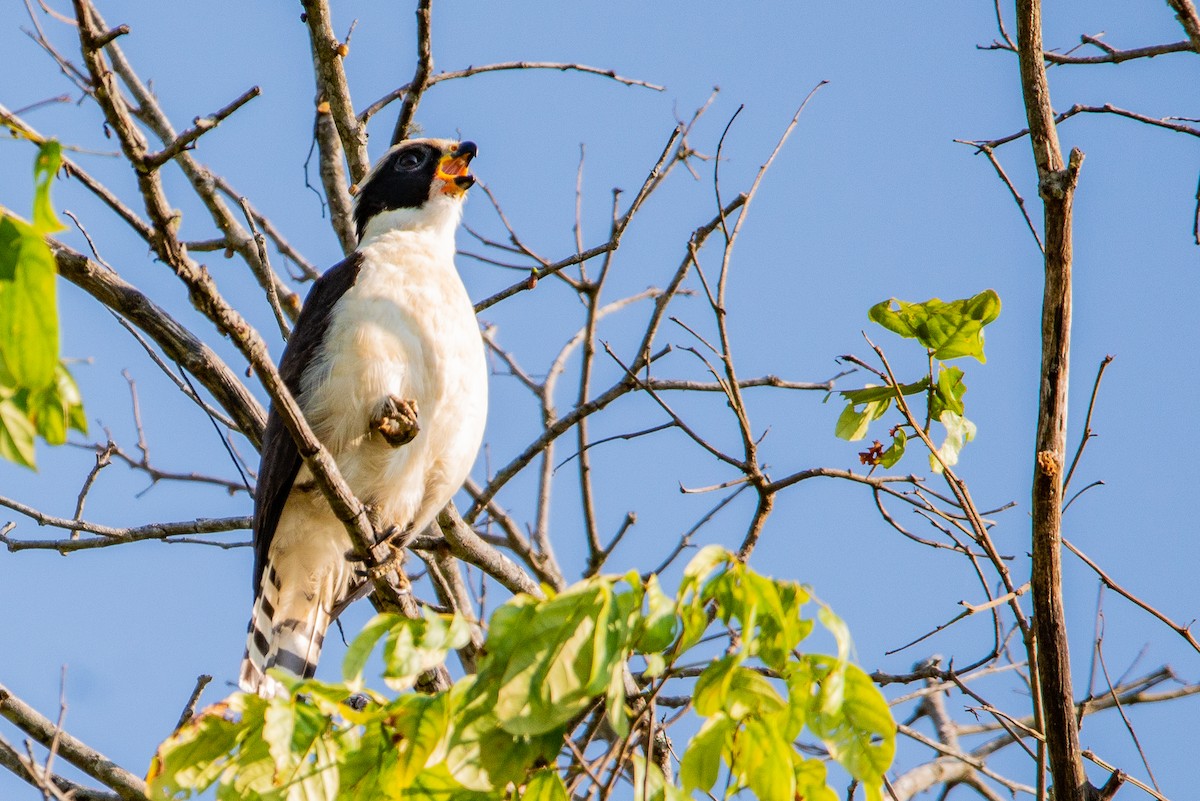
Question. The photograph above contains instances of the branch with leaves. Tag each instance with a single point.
(537, 703)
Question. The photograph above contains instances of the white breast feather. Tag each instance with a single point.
(406, 328)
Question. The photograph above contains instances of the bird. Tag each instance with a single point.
(386, 361)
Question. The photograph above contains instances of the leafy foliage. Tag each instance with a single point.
(38, 396)
(947, 330)
(547, 667)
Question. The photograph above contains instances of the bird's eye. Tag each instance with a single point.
(410, 160)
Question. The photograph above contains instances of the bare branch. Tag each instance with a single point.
(1111, 55)
(200, 126)
(260, 242)
(1087, 424)
(109, 535)
(189, 709)
(1056, 185)
(330, 155)
(1185, 12)
(87, 759)
(670, 156)
(420, 81)
(20, 128)
(333, 88)
(57, 786)
(1020, 201)
(202, 180)
(977, 764)
(178, 343)
(110, 449)
(1169, 123)
(402, 91)
(468, 546)
(1182, 631)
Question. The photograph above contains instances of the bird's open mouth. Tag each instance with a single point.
(452, 169)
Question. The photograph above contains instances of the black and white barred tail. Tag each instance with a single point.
(285, 633)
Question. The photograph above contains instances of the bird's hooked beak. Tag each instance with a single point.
(452, 169)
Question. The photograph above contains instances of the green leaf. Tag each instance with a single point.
(57, 408)
(438, 784)
(691, 605)
(365, 766)
(28, 305)
(420, 725)
(838, 628)
(657, 628)
(959, 431)
(301, 756)
(770, 612)
(555, 656)
(360, 649)
(544, 662)
(194, 757)
(894, 452)
(800, 689)
(546, 785)
(321, 778)
(712, 686)
(480, 754)
(950, 329)
(279, 723)
(14, 239)
(415, 646)
(614, 703)
(751, 694)
(16, 434)
(810, 781)
(869, 394)
(44, 167)
(656, 664)
(649, 784)
(853, 721)
(949, 392)
(763, 760)
(852, 424)
(701, 764)
(706, 560)
(72, 398)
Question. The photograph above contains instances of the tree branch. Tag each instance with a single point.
(333, 88)
(178, 343)
(87, 759)
(1056, 185)
(420, 81)
(1185, 12)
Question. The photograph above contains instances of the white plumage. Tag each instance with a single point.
(403, 328)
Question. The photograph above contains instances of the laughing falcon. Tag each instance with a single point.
(387, 364)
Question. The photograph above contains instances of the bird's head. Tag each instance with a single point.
(418, 184)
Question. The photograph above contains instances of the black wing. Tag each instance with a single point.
(280, 458)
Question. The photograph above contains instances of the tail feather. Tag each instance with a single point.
(285, 632)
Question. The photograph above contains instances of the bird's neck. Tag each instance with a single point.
(433, 224)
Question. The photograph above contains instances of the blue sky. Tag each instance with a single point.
(870, 199)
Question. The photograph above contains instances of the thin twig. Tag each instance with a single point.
(260, 242)
(87, 759)
(1087, 422)
(1182, 631)
(200, 126)
(402, 91)
(189, 709)
(420, 81)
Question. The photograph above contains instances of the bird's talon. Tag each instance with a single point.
(396, 421)
(393, 561)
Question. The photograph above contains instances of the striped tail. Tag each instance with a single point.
(287, 630)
